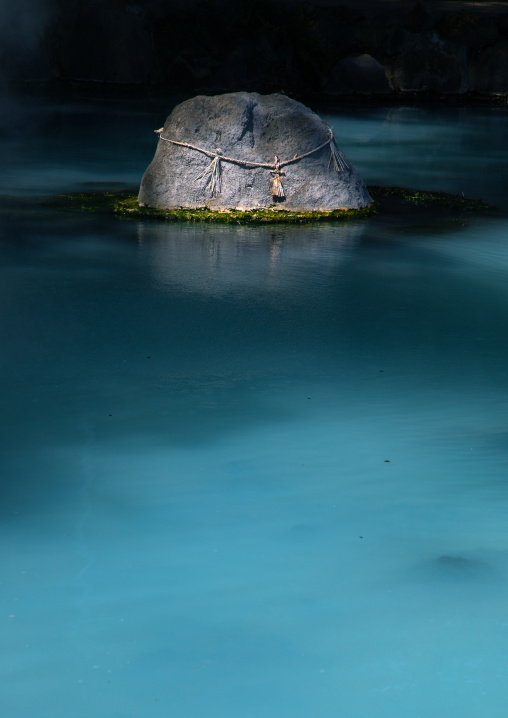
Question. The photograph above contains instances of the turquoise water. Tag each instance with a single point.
(253, 471)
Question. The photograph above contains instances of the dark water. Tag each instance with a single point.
(253, 471)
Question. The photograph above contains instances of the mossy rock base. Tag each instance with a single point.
(391, 199)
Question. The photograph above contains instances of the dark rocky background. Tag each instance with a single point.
(328, 48)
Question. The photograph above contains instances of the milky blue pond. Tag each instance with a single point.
(246, 471)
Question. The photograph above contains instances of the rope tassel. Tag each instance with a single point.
(340, 163)
(277, 188)
(215, 170)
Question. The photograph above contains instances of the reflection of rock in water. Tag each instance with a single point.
(214, 260)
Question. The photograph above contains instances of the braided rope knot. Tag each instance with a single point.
(215, 171)
(337, 159)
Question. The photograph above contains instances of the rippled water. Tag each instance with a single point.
(253, 471)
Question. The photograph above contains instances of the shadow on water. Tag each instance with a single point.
(455, 571)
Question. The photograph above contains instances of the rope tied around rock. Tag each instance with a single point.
(277, 188)
(215, 173)
(340, 163)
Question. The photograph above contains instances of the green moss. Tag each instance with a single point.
(442, 200)
(125, 205)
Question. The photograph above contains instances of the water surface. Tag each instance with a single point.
(246, 470)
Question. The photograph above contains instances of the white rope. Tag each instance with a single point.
(214, 168)
(340, 163)
(265, 165)
(223, 157)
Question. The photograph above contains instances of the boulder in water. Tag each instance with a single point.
(248, 151)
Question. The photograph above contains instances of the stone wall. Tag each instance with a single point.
(329, 48)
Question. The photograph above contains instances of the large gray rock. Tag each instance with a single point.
(251, 128)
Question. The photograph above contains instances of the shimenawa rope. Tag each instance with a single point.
(340, 163)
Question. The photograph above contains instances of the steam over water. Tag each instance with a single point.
(253, 471)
